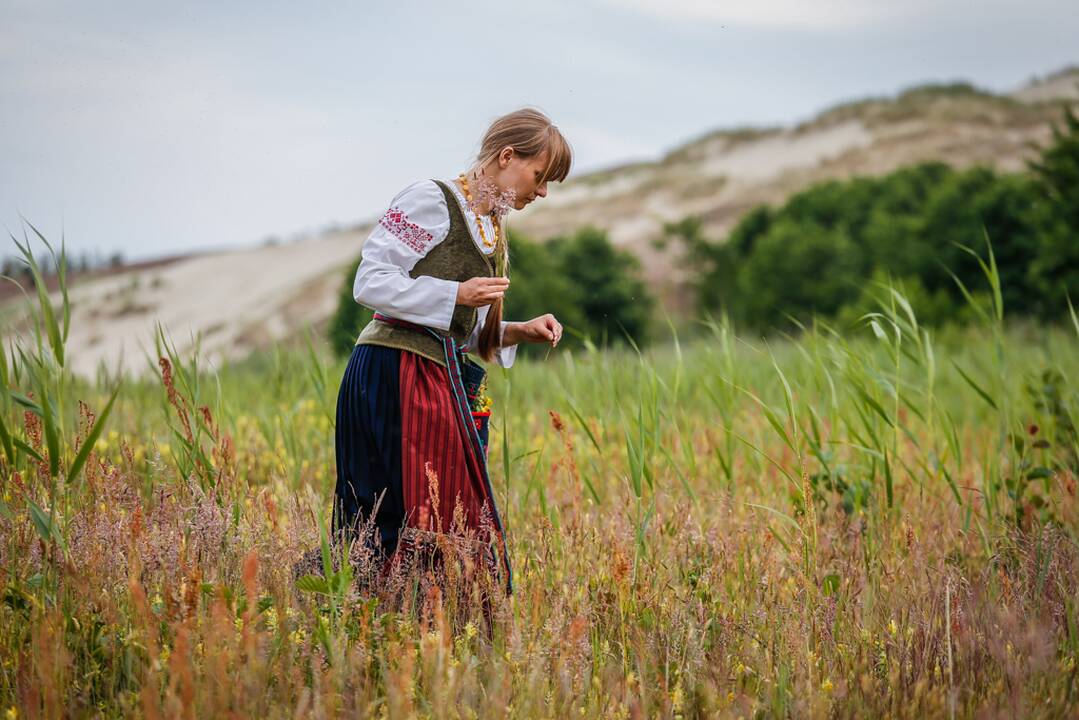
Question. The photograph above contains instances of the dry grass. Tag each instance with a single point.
(828, 527)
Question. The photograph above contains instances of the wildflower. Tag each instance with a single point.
(470, 630)
(677, 698)
(12, 713)
(892, 628)
(826, 686)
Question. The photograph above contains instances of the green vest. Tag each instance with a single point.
(455, 258)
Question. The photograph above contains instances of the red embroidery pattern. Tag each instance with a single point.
(405, 230)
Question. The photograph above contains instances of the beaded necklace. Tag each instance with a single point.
(479, 223)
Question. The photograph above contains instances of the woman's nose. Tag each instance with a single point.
(542, 190)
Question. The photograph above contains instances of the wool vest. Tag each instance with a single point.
(455, 258)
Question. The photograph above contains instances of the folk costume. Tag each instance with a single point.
(407, 416)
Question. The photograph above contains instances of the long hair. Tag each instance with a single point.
(530, 133)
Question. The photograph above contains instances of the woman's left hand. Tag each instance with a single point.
(544, 328)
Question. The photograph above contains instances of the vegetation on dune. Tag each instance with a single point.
(818, 254)
(855, 525)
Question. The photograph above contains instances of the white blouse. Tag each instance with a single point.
(417, 221)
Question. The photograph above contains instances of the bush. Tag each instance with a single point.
(816, 254)
(613, 302)
(593, 288)
(349, 318)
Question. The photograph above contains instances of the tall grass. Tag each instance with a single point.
(859, 523)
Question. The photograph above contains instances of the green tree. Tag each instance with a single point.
(538, 286)
(715, 264)
(349, 318)
(605, 283)
(1055, 269)
(797, 270)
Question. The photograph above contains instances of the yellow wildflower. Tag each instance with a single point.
(677, 697)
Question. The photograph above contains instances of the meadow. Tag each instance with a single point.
(874, 523)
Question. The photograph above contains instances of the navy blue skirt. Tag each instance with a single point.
(368, 445)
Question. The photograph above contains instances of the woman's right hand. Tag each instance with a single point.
(480, 291)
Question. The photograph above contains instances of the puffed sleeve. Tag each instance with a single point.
(416, 221)
(505, 355)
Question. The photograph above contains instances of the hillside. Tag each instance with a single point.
(243, 300)
(725, 173)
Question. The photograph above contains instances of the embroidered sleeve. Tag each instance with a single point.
(417, 221)
(396, 222)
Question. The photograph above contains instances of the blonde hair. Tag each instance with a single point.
(529, 133)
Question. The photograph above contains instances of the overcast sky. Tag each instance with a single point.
(154, 128)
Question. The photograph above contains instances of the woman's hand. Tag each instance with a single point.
(545, 328)
(480, 291)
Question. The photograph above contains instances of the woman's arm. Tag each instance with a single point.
(416, 222)
(544, 328)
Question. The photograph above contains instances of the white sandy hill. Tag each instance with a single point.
(244, 300)
(237, 302)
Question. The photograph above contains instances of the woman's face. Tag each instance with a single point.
(522, 175)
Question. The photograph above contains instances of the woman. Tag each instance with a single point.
(410, 459)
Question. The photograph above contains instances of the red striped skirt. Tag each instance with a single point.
(406, 461)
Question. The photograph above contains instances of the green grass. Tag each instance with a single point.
(882, 522)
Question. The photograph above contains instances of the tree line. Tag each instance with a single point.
(826, 251)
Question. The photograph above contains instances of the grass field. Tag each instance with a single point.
(879, 523)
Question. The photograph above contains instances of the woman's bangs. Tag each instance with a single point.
(559, 156)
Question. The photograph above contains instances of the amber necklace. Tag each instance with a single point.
(479, 223)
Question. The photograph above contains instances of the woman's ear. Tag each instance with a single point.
(504, 157)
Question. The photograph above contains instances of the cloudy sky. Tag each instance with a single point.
(156, 128)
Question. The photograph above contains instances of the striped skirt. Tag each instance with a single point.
(405, 457)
